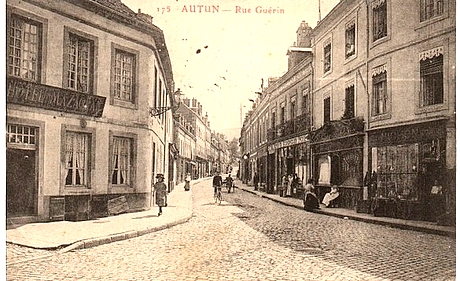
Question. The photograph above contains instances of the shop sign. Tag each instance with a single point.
(408, 134)
(289, 142)
(42, 96)
(294, 79)
(346, 143)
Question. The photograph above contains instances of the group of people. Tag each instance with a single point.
(310, 198)
(217, 182)
(290, 184)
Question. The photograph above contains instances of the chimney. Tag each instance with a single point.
(144, 17)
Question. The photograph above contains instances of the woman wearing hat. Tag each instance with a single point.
(159, 190)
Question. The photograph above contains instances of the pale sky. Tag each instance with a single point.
(237, 49)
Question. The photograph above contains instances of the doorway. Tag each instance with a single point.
(21, 184)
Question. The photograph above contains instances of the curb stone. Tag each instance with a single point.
(366, 220)
(93, 242)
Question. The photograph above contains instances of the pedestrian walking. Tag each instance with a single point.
(160, 192)
(255, 180)
(188, 179)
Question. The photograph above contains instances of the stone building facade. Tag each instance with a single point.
(381, 122)
(85, 83)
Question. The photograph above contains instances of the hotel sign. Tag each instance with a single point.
(289, 142)
(37, 95)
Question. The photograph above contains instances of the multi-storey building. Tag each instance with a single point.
(192, 111)
(86, 83)
(382, 107)
(411, 116)
(340, 100)
(185, 140)
(219, 153)
(274, 134)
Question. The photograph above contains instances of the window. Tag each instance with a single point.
(77, 151)
(327, 109)
(349, 102)
(79, 63)
(431, 80)
(124, 68)
(282, 115)
(350, 40)
(155, 87)
(430, 9)
(305, 101)
(379, 15)
(379, 90)
(273, 119)
(19, 134)
(327, 58)
(23, 48)
(293, 108)
(121, 161)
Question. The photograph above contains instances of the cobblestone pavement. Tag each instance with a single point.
(252, 238)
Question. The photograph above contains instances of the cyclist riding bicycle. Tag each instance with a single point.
(216, 182)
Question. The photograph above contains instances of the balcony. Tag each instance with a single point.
(32, 94)
(300, 124)
(338, 128)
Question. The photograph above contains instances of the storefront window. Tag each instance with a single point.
(397, 168)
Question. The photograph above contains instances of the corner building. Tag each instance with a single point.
(84, 81)
(384, 105)
(411, 122)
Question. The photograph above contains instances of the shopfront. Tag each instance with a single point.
(290, 158)
(406, 162)
(337, 153)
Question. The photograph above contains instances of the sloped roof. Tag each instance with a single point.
(117, 5)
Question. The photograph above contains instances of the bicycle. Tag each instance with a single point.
(218, 195)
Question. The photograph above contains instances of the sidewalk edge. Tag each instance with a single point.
(93, 242)
(367, 220)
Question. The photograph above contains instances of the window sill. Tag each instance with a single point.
(380, 117)
(72, 190)
(121, 188)
(327, 73)
(431, 108)
(380, 41)
(350, 58)
(431, 21)
(125, 104)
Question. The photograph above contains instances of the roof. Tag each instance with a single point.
(117, 5)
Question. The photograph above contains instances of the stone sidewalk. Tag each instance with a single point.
(422, 226)
(67, 235)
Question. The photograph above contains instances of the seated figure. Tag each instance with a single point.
(310, 200)
(329, 198)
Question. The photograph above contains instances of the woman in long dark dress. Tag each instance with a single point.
(310, 201)
(160, 191)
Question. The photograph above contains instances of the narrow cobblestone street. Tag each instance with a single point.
(252, 238)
